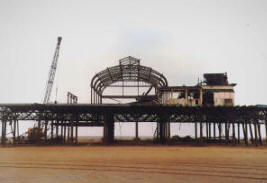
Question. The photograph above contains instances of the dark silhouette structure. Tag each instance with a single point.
(160, 103)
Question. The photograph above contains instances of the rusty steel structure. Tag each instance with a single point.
(128, 71)
(67, 118)
(60, 122)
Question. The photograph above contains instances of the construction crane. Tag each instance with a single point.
(52, 72)
(36, 133)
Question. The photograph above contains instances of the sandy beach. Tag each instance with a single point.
(113, 164)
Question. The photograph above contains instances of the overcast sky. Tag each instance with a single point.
(181, 39)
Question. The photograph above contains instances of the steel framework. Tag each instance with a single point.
(66, 118)
(128, 70)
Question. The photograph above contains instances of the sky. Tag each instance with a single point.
(181, 39)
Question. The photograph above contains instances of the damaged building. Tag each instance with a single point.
(215, 90)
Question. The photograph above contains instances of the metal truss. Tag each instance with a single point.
(129, 113)
(66, 118)
(129, 70)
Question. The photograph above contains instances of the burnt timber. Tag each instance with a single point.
(65, 119)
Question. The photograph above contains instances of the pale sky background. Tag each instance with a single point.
(182, 39)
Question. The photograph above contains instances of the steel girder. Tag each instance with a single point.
(88, 113)
(127, 72)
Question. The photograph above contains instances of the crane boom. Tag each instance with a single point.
(52, 72)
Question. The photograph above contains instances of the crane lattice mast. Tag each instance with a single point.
(52, 72)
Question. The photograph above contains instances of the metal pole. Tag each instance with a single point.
(64, 132)
(14, 132)
(246, 132)
(244, 125)
(61, 129)
(196, 131)
(201, 130)
(68, 131)
(259, 131)
(45, 132)
(3, 141)
(251, 133)
(52, 129)
(76, 132)
(136, 130)
(18, 129)
(256, 133)
(233, 131)
(225, 131)
(57, 129)
(220, 131)
(71, 131)
(238, 131)
(39, 132)
(209, 130)
(214, 130)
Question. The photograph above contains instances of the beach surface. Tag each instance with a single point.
(131, 164)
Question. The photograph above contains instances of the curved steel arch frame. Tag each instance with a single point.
(125, 71)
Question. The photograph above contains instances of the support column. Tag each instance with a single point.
(3, 140)
(162, 134)
(136, 131)
(201, 131)
(164, 127)
(68, 132)
(214, 130)
(45, 130)
(207, 131)
(196, 131)
(108, 128)
(71, 131)
(259, 132)
(61, 129)
(226, 133)
(14, 131)
(57, 129)
(251, 133)
(52, 129)
(245, 131)
(76, 131)
(64, 131)
(256, 133)
(238, 132)
(233, 132)
(220, 131)
(18, 131)
(38, 135)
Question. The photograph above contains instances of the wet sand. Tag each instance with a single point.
(128, 164)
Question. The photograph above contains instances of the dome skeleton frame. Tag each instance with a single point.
(128, 70)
